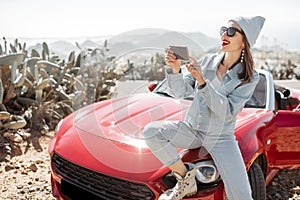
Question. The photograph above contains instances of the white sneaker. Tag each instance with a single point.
(186, 186)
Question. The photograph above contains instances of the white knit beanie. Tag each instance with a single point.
(251, 26)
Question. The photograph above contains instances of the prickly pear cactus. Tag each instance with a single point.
(41, 86)
(15, 58)
(38, 89)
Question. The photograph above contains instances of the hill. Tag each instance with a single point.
(158, 38)
(197, 43)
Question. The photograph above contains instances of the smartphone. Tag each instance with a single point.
(181, 52)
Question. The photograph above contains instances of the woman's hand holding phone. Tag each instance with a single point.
(172, 60)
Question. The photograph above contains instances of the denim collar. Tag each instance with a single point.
(232, 73)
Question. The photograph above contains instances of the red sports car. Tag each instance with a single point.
(98, 151)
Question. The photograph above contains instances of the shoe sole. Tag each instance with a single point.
(191, 194)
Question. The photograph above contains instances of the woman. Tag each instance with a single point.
(222, 85)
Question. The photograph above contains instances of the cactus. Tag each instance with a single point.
(4, 115)
(61, 76)
(63, 95)
(13, 49)
(18, 123)
(1, 91)
(46, 86)
(5, 45)
(77, 63)
(45, 49)
(48, 66)
(71, 59)
(24, 47)
(43, 84)
(13, 72)
(38, 89)
(78, 99)
(78, 46)
(19, 81)
(28, 83)
(8, 60)
(27, 101)
(34, 53)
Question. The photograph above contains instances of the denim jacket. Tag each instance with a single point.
(213, 110)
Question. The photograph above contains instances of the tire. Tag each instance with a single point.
(257, 182)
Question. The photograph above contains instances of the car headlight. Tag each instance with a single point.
(207, 172)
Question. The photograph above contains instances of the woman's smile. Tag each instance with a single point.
(225, 42)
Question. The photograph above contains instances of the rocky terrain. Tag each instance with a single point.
(285, 186)
(26, 176)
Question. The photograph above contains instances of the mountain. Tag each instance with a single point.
(62, 48)
(89, 44)
(157, 38)
(197, 43)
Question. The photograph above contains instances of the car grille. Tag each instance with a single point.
(87, 183)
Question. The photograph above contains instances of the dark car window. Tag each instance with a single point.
(258, 99)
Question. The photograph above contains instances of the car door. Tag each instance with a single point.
(282, 139)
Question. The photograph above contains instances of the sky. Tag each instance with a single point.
(93, 18)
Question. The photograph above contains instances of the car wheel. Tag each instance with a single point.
(257, 182)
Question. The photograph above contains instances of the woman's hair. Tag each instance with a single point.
(248, 63)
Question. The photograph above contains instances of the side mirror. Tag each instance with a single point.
(286, 92)
(152, 86)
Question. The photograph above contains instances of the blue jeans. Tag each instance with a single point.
(163, 137)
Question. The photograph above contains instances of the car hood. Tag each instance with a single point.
(107, 136)
(123, 119)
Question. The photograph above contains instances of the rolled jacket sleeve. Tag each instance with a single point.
(180, 87)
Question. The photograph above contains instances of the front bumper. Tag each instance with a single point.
(70, 181)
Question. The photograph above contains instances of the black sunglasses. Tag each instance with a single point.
(229, 31)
